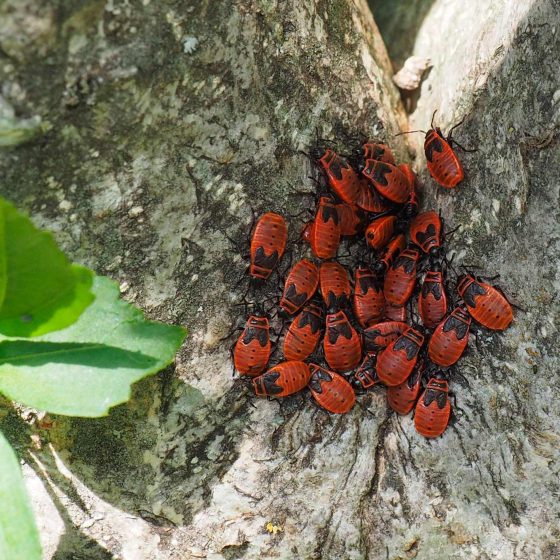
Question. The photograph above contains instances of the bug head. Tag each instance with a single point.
(317, 152)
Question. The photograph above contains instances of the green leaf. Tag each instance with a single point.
(18, 536)
(88, 367)
(40, 290)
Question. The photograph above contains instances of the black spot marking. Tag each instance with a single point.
(258, 333)
(368, 282)
(262, 261)
(379, 173)
(431, 395)
(435, 144)
(269, 383)
(294, 297)
(433, 288)
(330, 213)
(454, 324)
(308, 318)
(342, 329)
(406, 263)
(424, 237)
(410, 347)
(474, 289)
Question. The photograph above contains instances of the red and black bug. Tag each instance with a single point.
(432, 302)
(395, 313)
(381, 335)
(252, 349)
(380, 231)
(369, 199)
(396, 362)
(412, 204)
(403, 397)
(450, 338)
(334, 285)
(401, 277)
(442, 161)
(486, 304)
(425, 232)
(267, 244)
(282, 380)
(368, 300)
(388, 179)
(394, 247)
(342, 345)
(301, 284)
(365, 376)
(433, 408)
(324, 233)
(371, 150)
(341, 177)
(330, 390)
(353, 220)
(304, 333)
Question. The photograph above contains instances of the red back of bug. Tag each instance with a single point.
(433, 409)
(335, 285)
(324, 234)
(441, 160)
(366, 375)
(396, 362)
(342, 179)
(353, 220)
(395, 313)
(389, 180)
(304, 333)
(369, 199)
(403, 397)
(381, 152)
(368, 300)
(282, 380)
(401, 278)
(342, 345)
(432, 302)
(394, 247)
(486, 304)
(425, 231)
(450, 338)
(267, 244)
(252, 349)
(330, 390)
(301, 284)
(381, 335)
(380, 231)
(413, 202)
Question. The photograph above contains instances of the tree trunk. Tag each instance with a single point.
(169, 124)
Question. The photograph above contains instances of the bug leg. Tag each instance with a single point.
(514, 305)
(455, 143)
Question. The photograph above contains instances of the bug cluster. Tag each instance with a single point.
(384, 314)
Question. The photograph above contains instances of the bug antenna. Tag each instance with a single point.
(432, 122)
(410, 132)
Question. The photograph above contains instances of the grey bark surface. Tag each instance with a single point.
(167, 124)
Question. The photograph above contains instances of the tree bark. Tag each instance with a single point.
(168, 125)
